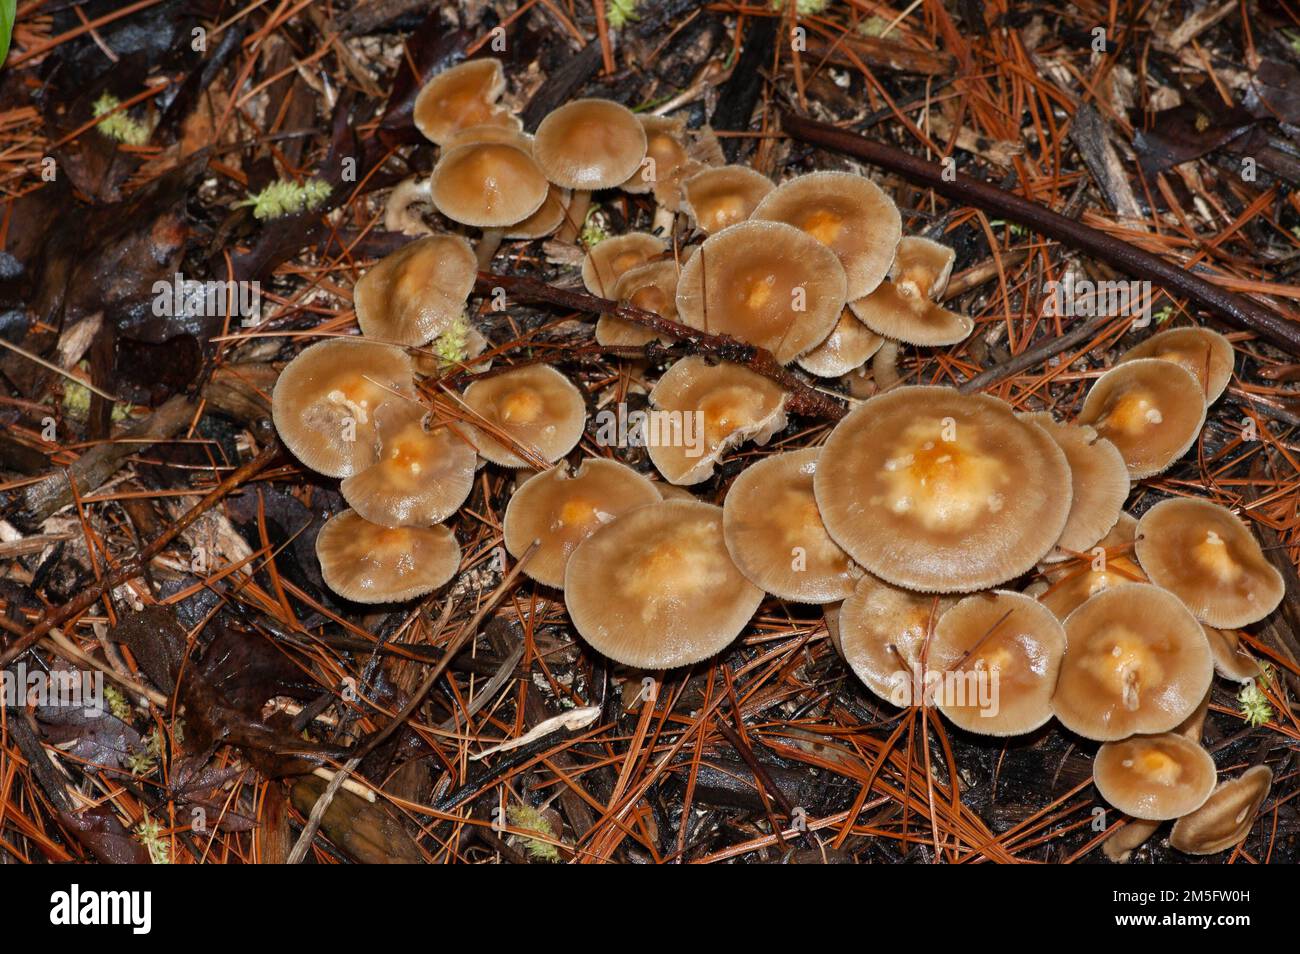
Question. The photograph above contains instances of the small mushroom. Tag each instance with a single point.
(460, 98)
(1226, 817)
(882, 631)
(848, 347)
(1136, 661)
(1070, 584)
(667, 157)
(1121, 843)
(489, 185)
(414, 294)
(775, 534)
(366, 563)
(905, 307)
(535, 406)
(651, 287)
(1202, 352)
(550, 215)
(1154, 777)
(607, 261)
(1205, 555)
(656, 588)
(560, 510)
(1151, 410)
(723, 196)
(1232, 660)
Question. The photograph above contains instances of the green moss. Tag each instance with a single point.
(618, 13)
(285, 197)
(452, 346)
(1255, 707)
(120, 126)
(527, 818)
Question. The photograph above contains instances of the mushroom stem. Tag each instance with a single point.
(575, 216)
(663, 221)
(400, 214)
(488, 245)
(884, 365)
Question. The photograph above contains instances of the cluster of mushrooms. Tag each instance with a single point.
(909, 524)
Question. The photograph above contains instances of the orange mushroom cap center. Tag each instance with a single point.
(521, 406)
(823, 224)
(1156, 766)
(944, 483)
(1124, 664)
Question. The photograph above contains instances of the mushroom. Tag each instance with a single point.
(1202, 352)
(665, 154)
(1154, 777)
(414, 294)
(905, 308)
(848, 347)
(1225, 818)
(1232, 660)
(723, 196)
(551, 214)
(766, 283)
(1206, 556)
(607, 261)
(656, 588)
(489, 185)
(1069, 585)
(775, 534)
(535, 406)
(366, 563)
(559, 511)
(404, 210)
(700, 411)
(847, 213)
(1151, 410)
(1136, 661)
(651, 287)
(460, 98)
(938, 491)
(325, 400)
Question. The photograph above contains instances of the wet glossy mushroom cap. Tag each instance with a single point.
(367, 563)
(882, 631)
(942, 492)
(848, 347)
(1154, 777)
(535, 406)
(1070, 584)
(561, 510)
(656, 588)
(1226, 817)
(549, 217)
(847, 213)
(325, 401)
(414, 294)
(702, 411)
(610, 259)
(766, 283)
(460, 98)
(775, 534)
(651, 287)
(1000, 653)
(1135, 661)
(421, 478)
(1151, 410)
(902, 310)
(922, 267)
(590, 144)
(1206, 556)
(1232, 660)
(487, 184)
(666, 145)
(723, 196)
(1205, 354)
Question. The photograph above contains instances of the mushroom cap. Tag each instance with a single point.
(656, 588)
(1206, 556)
(1073, 582)
(702, 410)
(775, 534)
(882, 630)
(1202, 352)
(414, 294)
(722, 196)
(460, 98)
(1000, 652)
(1151, 410)
(535, 405)
(651, 287)
(1135, 661)
(766, 283)
(561, 510)
(1121, 842)
(421, 478)
(848, 347)
(549, 216)
(509, 134)
(1226, 817)
(672, 492)
(936, 514)
(487, 184)
(1232, 660)
(590, 144)
(1154, 777)
(665, 143)
(922, 267)
(367, 563)
(324, 401)
(892, 311)
(1098, 480)
(608, 260)
(847, 213)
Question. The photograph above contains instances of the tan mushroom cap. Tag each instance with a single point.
(1226, 817)
(367, 563)
(651, 287)
(766, 283)
(848, 347)
(847, 213)
(325, 401)
(1071, 583)
(1202, 352)
(1205, 555)
(1120, 843)
(460, 98)
(487, 184)
(922, 267)
(414, 294)
(703, 411)
(672, 492)
(590, 144)
(892, 311)
(656, 588)
(1232, 660)
(535, 405)
(882, 630)
(608, 260)
(509, 135)
(549, 217)
(723, 196)
(1136, 661)
(942, 492)
(1154, 777)
(1000, 653)
(421, 478)
(775, 534)
(1151, 410)
(1098, 480)
(665, 144)
(561, 510)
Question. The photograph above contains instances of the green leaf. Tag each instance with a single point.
(8, 12)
